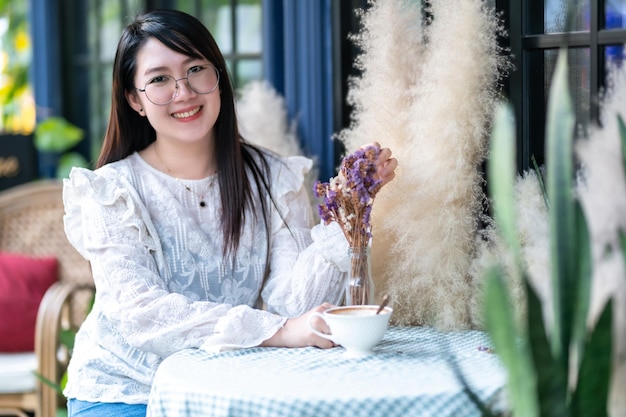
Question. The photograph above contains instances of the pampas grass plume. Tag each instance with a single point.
(263, 119)
(431, 103)
(533, 229)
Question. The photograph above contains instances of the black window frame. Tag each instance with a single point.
(524, 20)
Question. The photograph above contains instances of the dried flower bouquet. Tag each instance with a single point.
(348, 200)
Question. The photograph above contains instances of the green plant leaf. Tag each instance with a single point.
(551, 381)
(63, 381)
(622, 239)
(55, 134)
(49, 383)
(559, 155)
(592, 389)
(484, 408)
(510, 345)
(501, 173)
(622, 132)
(541, 180)
(583, 283)
(66, 338)
(69, 161)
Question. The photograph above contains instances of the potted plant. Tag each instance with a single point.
(562, 368)
(54, 137)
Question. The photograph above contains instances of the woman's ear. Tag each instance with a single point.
(134, 102)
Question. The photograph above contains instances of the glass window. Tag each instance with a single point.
(555, 12)
(578, 68)
(218, 18)
(614, 55)
(109, 25)
(249, 29)
(537, 30)
(615, 14)
(248, 70)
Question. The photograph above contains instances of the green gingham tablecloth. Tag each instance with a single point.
(413, 372)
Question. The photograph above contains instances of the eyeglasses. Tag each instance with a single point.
(201, 79)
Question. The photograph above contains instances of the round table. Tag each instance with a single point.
(414, 371)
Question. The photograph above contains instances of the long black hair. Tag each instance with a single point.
(128, 132)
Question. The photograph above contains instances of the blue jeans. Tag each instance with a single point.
(77, 408)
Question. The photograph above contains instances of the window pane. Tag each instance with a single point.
(249, 27)
(578, 67)
(538, 90)
(535, 106)
(615, 12)
(219, 21)
(614, 55)
(109, 29)
(248, 70)
(556, 16)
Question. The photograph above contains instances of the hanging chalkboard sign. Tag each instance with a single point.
(18, 160)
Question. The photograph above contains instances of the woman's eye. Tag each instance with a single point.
(196, 68)
(161, 79)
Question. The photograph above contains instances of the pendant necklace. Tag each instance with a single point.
(187, 187)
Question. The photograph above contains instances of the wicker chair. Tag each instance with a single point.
(31, 222)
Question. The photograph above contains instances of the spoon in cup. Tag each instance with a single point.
(383, 303)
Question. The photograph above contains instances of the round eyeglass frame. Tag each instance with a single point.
(177, 89)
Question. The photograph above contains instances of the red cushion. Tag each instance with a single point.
(23, 282)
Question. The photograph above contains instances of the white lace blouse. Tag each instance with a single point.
(162, 284)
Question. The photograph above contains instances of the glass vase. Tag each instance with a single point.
(360, 285)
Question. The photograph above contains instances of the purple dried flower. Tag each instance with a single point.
(349, 196)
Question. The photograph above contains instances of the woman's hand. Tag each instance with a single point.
(296, 332)
(385, 164)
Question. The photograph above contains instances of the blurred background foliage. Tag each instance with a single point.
(16, 97)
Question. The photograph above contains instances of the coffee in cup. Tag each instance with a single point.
(357, 328)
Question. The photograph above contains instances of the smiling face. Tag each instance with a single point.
(190, 116)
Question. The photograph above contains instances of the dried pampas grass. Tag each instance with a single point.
(263, 121)
(392, 45)
(427, 93)
(533, 229)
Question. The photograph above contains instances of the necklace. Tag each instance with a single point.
(200, 196)
(178, 180)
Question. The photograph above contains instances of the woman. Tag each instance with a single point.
(189, 230)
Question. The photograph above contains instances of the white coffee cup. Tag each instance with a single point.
(357, 328)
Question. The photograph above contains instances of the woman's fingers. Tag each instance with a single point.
(386, 165)
(387, 171)
(321, 326)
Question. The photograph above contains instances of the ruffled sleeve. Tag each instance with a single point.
(308, 265)
(85, 188)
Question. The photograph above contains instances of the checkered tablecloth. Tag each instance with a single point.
(414, 372)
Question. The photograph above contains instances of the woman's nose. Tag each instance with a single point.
(183, 85)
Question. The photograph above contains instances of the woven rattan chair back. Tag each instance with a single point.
(31, 223)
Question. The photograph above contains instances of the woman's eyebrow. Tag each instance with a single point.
(155, 69)
(165, 68)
